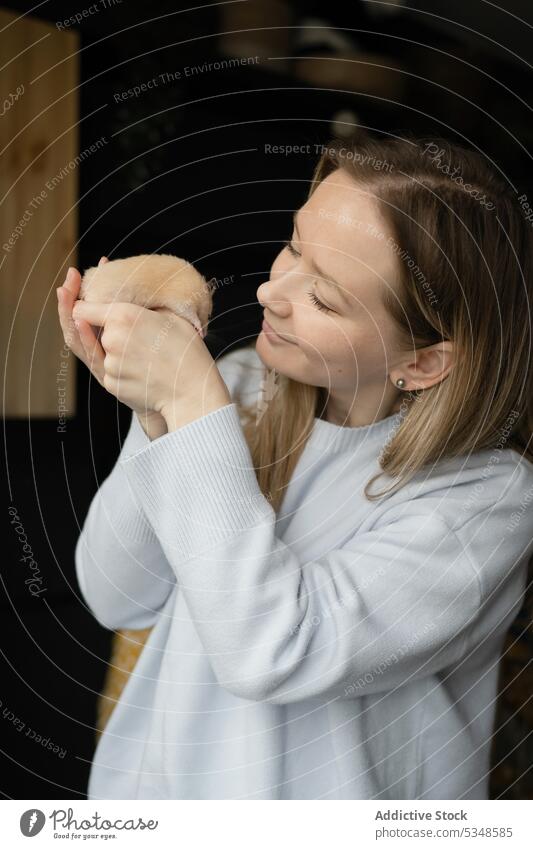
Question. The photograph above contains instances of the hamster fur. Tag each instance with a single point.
(154, 281)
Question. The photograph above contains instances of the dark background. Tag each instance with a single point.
(185, 171)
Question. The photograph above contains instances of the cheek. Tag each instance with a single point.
(324, 342)
(341, 346)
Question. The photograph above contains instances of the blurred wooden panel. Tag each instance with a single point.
(38, 212)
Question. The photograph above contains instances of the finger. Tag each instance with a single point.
(64, 306)
(94, 352)
(93, 312)
(66, 296)
(73, 281)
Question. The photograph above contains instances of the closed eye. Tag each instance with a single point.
(319, 305)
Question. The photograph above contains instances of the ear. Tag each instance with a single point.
(426, 366)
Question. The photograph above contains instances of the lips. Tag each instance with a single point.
(269, 329)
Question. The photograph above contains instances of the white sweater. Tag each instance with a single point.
(345, 649)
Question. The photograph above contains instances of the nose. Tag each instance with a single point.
(270, 295)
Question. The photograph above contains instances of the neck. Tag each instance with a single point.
(363, 409)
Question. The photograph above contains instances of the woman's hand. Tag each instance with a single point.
(155, 360)
(83, 342)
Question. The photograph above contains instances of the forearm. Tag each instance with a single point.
(122, 571)
(121, 568)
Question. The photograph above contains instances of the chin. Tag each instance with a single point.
(276, 360)
(262, 352)
(268, 353)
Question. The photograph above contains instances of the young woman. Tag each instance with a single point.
(314, 638)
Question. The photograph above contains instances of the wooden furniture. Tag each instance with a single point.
(38, 212)
(126, 648)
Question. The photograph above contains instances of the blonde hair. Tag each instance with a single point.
(459, 234)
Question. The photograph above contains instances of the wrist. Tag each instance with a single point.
(180, 413)
(153, 424)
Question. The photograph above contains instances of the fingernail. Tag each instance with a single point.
(58, 291)
(70, 272)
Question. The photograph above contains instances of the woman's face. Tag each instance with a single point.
(336, 336)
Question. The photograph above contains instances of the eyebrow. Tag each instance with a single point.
(325, 277)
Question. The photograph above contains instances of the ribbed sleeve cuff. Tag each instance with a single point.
(197, 484)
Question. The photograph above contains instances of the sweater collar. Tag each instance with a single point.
(329, 437)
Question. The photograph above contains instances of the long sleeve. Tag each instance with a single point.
(122, 571)
(394, 604)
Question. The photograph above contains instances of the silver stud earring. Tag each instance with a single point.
(400, 383)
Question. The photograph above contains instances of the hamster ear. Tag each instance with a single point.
(212, 284)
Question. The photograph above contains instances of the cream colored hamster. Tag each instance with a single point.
(154, 281)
